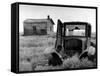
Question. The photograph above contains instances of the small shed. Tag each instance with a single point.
(38, 26)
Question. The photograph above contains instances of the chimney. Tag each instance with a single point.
(48, 17)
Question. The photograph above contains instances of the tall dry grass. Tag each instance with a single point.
(32, 48)
(31, 55)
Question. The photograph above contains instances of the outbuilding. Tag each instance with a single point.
(38, 26)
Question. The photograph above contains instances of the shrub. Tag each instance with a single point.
(74, 62)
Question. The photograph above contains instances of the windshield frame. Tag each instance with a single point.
(76, 23)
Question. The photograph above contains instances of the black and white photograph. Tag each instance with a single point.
(56, 38)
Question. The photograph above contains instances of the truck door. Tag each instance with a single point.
(59, 33)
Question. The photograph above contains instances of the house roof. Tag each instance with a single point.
(38, 20)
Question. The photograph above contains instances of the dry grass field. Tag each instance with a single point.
(32, 55)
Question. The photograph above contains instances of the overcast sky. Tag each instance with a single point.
(65, 14)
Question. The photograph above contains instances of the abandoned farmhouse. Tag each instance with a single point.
(38, 26)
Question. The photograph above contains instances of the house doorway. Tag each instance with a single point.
(34, 30)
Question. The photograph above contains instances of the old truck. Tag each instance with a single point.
(74, 37)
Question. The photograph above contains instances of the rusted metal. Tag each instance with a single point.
(73, 40)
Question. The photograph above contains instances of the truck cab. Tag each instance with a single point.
(74, 37)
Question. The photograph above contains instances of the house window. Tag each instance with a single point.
(43, 31)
